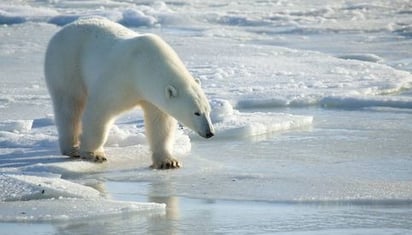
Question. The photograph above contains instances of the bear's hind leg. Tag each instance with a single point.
(68, 111)
(160, 130)
(96, 124)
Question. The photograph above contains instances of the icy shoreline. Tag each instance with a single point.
(311, 102)
(39, 185)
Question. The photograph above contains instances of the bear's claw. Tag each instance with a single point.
(166, 164)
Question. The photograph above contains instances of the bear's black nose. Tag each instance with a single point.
(209, 134)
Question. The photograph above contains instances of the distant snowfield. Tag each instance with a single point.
(301, 77)
(248, 68)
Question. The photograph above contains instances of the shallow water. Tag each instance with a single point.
(341, 176)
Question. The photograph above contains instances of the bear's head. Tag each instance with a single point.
(164, 81)
(189, 105)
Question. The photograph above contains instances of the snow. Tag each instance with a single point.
(279, 77)
(311, 103)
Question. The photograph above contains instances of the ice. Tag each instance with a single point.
(221, 109)
(17, 14)
(230, 123)
(122, 137)
(279, 77)
(244, 125)
(25, 133)
(16, 140)
(46, 197)
(63, 209)
(63, 19)
(16, 126)
(365, 102)
(136, 18)
(311, 102)
(362, 57)
(17, 187)
(127, 14)
(270, 67)
(43, 122)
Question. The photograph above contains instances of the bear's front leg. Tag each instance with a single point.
(160, 130)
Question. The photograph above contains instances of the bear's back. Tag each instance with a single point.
(98, 28)
(89, 33)
(76, 53)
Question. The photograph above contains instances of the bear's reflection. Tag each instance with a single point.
(145, 222)
(170, 221)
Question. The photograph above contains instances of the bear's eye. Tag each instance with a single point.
(197, 113)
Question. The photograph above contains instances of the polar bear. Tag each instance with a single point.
(96, 69)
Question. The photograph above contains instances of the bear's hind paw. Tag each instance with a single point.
(166, 164)
(72, 152)
(93, 157)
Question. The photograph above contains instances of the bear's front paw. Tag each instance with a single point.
(93, 157)
(166, 164)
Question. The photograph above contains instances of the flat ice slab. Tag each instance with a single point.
(71, 208)
(16, 187)
(46, 197)
(258, 123)
(231, 123)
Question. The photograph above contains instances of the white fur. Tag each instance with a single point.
(96, 69)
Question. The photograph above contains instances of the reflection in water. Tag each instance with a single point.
(132, 223)
(169, 222)
(183, 215)
(151, 222)
(172, 206)
(199, 216)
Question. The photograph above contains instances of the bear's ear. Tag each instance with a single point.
(197, 80)
(171, 92)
